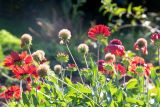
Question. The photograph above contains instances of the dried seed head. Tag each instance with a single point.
(26, 40)
(110, 57)
(64, 34)
(58, 68)
(83, 48)
(43, 70)
(39, 55)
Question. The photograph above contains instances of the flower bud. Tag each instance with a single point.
(58, 68)
(64, 34)
(43, 70)
(26, 40)
(62, 57)
(83, 48)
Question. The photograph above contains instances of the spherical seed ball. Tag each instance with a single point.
(110, 57)
(64, 34)
(58, 68)
(43, 70)
(39, 55)
(83, 48)
(26, 40)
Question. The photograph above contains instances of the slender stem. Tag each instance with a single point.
(86, 61)
(74, 62)
(21, 88)
(124, 81)
(71, 75)
(159, 56)
(75, 89)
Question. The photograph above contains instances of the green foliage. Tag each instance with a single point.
(8, 42)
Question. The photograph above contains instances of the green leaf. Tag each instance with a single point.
(120, 11)
(68, 81)
(129, 9)
(131, 83)
(134, 101)
(25, 99)
(35, 101)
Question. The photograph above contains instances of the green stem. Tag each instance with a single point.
(159, 56)
(86, 61)
(74, 62)
(76, 90)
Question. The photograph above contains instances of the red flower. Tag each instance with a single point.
(137, 62)
(11, 92)
(103, 70)
(25, 70)
(72, 67)
(141, 44)
(121, 69)
(98, 30)
(115, 47)
(17, 59)
(155, 38)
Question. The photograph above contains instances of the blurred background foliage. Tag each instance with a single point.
(128, 20)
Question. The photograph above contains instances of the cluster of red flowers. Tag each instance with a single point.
(115, 47)
(10, 93)
(21, 65)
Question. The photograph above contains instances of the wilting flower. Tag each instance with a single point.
(121, 69)
(115, 47)
(110, 57)
(155, 38)
(17, 59)
(105, 68)
(72, 67)
(26, 40)
(62, 57)
(98, 31)
(11, 92)
(43, 70)
(39, 56)
(25, 71)
(58, 68)
(141, 44)
(83, 48)
(64, 35)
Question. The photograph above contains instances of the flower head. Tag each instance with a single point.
(105, 68)
(97, 31)
(141, 44)
(25, 71)
(11, 92)
(72, 67)
(115, 47)
(121, 69)
(17, 59)
(43, 70)
(155, 39)
(58, 68)
(83, 48)
(64, 34)
(26, 40)
(138, 66)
